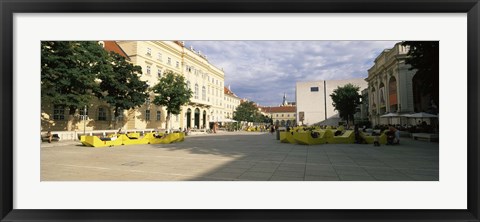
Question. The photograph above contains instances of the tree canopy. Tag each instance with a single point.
(171, 92)
(247, 111)
(75, 72)
(346, 100)
(69, 70)
(424, 58)
(121, 86)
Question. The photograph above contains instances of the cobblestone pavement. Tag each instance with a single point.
(241, 157)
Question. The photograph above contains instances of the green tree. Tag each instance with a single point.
(121, 86)
(68, 73)
(246, 111)
(424, 58)
(346, 100)
(171, 92)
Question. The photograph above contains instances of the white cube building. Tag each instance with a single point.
(314, 103)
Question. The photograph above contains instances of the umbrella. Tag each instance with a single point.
(389, 115)
(422, 115)
(229, 121)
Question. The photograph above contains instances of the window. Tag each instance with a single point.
(147, 115)
(159, 72)
(204, 93)
(177, 64)
(159, 115)
(288, 115)
(314, 89)
(159, 56)
(277, 115)
(282, 115)
(102, 114)
(58, 112)
(148, 70)
(196, 91)
(169, 61)
(149, 51)
(188, 85)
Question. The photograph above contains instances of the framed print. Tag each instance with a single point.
(125, 153)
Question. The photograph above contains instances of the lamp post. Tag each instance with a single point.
(84, 119)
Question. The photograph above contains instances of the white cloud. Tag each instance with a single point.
(263, 70)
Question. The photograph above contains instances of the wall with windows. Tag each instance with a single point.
(99, 116)
(155, 57)
(203, 78)
(390, 88)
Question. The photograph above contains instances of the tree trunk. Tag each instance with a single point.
(167, 121)
(71, 118)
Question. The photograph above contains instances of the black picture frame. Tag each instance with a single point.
(9, 7)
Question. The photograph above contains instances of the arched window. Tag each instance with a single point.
(196, 91)
(204, 93)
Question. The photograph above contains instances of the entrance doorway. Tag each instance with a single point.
(197, 118)
(189, 118)
(204, 118)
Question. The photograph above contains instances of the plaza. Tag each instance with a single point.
(240, 156)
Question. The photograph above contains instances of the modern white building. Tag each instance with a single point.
(314, 103)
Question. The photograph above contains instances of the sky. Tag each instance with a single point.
(262, 71)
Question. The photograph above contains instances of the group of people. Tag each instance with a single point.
(393, 136)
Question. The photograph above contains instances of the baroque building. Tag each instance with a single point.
(206, 81)
(390, 88)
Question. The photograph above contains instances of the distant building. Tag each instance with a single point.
(231, 102)
(282, 115)
(313, 100)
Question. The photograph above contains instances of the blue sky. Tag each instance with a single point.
(262, 71)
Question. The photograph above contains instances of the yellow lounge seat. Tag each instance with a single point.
(94, 141)
(382, 138)
(347, 137)
(309, 138)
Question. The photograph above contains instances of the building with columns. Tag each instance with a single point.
(207, 105)
(390, 88)
(204, 79)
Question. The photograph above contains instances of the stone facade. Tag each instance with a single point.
(390, 87)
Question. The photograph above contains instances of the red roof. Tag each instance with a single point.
(280, 109)
(112, 46)
(228, 92)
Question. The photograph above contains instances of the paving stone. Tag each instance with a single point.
(285, 178)
(229, 154)
(356, 177)
(321, 178)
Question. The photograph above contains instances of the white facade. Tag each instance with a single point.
(310, 98)
(204, 79)
(231, 102)
(390, 86)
